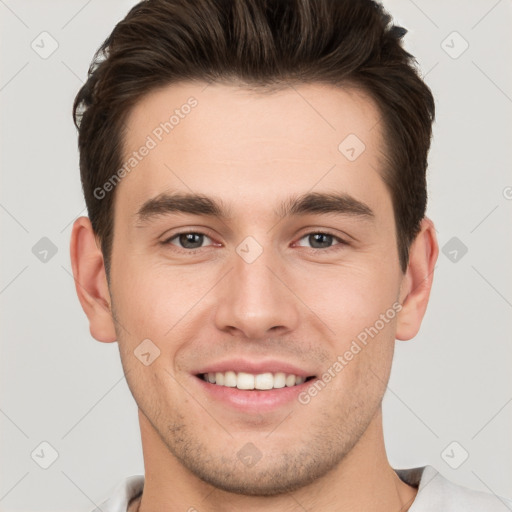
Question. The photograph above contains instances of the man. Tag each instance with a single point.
(254, 173)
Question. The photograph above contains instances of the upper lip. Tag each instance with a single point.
(255, 367)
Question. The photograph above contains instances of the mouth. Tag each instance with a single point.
(253, 387)
(250, 382)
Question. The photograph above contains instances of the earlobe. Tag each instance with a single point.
(417, 281)
(90, 280)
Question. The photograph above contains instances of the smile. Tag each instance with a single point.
(248, 381)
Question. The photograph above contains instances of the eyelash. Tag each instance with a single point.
(312, 250)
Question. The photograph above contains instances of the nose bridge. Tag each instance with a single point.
(253, 299)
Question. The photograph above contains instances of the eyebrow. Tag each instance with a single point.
(199, 204)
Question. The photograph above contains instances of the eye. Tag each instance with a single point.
(321, 240)
(188, 240)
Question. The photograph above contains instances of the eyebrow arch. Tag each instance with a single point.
(199, 204)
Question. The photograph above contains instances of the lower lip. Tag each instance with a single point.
(253, 400)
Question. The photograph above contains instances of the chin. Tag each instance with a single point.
(271, 476)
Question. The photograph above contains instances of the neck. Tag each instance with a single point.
(364, 480)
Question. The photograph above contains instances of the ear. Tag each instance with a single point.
(417, 281)
(91, 280)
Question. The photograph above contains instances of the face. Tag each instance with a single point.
(256, 279)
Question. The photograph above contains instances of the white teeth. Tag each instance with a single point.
(262, 381)
(245, 381)
(279, 380)
(230, 379)
(290, 381)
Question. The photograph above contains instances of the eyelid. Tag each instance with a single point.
(320, 231)
(198, 230)
(202, 231)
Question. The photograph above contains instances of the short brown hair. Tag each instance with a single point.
(259, 43)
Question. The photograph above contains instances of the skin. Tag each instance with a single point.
(254, 150)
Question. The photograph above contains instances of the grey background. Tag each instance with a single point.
(451, 383)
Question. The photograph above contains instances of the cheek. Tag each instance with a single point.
(350, 299)
(155, 298)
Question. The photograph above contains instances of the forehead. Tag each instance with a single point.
(228, 141)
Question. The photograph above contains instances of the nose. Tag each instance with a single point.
(255, 300)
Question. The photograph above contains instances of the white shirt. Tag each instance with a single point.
(435, 494)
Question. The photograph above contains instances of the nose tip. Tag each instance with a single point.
(255, 302)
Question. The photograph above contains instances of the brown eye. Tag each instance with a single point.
(189, 240)
(320, 240)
